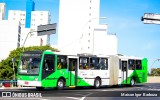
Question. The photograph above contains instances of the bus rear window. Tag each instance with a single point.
(138, 65)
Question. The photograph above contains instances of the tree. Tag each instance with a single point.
(6, 66)
(155, 72)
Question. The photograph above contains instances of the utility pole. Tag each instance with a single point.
(13, 60)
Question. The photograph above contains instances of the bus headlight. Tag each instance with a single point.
(36, 79)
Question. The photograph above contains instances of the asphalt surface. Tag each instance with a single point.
(146, 91)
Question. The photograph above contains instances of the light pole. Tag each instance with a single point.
(90, 21)
(13, 60)
(154, 62)
(26, 38)
(92, 32)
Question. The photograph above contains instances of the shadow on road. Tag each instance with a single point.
(86, 88)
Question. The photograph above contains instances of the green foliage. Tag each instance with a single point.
(6, 66)
(155, 72)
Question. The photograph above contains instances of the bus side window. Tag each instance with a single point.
(131, 64)
(84, 63)
(62, 62)
(48, 63)
(104, 63)
(94, 63)
(124, 65)
(138, 65)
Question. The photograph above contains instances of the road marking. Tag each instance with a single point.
(23, 98)
(73, 98)
(86, 96)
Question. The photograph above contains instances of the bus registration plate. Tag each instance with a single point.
(26, 82)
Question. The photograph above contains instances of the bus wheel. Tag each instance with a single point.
(40, 88)
(97, 83)
(60, 84)
(132, 82)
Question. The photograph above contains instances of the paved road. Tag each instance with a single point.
(138, 92)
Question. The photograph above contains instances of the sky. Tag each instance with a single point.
(123, 18)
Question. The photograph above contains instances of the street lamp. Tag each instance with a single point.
(93, 30)
(155, 61)
(26, 38)
(13, 60)
(90, 21)
(97, 18)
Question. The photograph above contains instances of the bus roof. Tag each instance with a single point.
(130, 57)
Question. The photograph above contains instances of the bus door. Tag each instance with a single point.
(124, 71)
(73, 64)
(47, 70)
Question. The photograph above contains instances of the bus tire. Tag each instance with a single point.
(40, 88)
(97, 83)
(60, 84)
(132, 82)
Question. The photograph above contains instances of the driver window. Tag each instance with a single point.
(48, 63)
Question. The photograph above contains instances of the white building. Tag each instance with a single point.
(17, 15)
(37, 18)
(2, 11)
(79, 30)
(9, 37)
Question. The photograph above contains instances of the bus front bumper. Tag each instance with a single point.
(29, 83)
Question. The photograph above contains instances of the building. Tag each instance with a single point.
(10, 37)
(30, 6)
(2, 11)
(79, 27)
(29, 20)
(17, 15)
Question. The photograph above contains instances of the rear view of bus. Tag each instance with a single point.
(134, 70)
(29, 69)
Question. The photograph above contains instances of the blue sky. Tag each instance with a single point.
(123, 18)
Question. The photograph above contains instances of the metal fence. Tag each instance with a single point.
(8, 83)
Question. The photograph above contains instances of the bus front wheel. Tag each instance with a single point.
(60, 84)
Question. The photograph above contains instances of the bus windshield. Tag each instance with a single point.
(30, 64)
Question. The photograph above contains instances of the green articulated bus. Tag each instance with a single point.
(45, 69)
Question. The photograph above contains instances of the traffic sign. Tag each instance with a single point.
(46, 29)
(151, 16)
(146, 21)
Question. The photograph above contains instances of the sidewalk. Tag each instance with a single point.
(153, 79)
